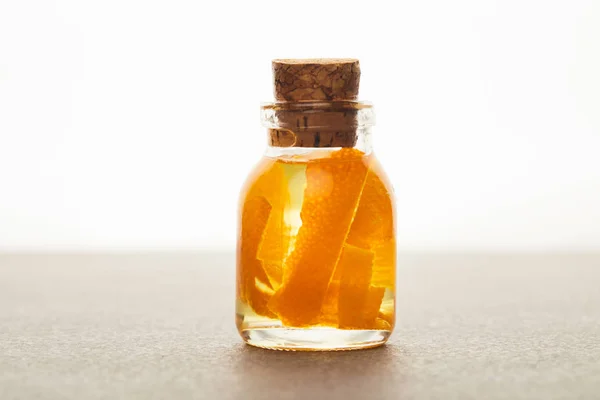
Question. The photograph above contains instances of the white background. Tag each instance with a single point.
(129, 124)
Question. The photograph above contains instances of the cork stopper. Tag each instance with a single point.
(316, 104)
(319, 79)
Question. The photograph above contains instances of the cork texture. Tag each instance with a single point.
(327, 79)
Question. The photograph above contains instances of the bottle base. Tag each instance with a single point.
(314, 339)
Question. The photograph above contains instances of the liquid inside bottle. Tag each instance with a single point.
(317, 253)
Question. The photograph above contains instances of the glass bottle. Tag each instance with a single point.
(316, 255)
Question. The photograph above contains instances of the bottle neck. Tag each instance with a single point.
(295, 127)
(363, 143)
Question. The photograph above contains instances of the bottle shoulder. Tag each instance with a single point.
(257, 175)
(271, 171)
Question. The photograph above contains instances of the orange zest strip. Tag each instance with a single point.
(274, 186)
(254, 219)
(371, 309)
(356, 268)
(374, 220)
(329, 309)
(273, 247)
(262, 195)
(333, 187)
(384, 265)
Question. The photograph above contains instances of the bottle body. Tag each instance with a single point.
(316, 256)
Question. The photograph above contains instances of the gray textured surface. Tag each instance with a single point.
(161, 327)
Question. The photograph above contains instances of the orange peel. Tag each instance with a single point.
(333, 188)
